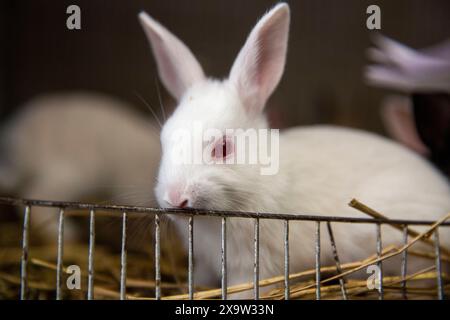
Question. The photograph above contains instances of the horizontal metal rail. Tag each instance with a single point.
(211, 213)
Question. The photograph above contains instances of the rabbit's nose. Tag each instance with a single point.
(180, 203)
(176, 199)
(183, 204)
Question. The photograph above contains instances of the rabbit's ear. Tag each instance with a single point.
(259, 66)
(177, 66)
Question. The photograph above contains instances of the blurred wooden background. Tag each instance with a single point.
(322, 83)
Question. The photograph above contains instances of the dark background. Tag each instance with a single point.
(323, 80)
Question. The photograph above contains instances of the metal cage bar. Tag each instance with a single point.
(317, 246)
(90, 294)
(256, 261)
(404, 266)
(337, 261)
(286, 260)
(24, 258)
(213, 213)
(157, 258)
(59, 255)
(401, 224)
(224, 259)
(123, 259)
(380, 263)
(191, 259)
(437, 250)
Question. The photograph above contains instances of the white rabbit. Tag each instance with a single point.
(74, 146)
(321, 168)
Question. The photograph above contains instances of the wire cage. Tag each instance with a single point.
(318, 286)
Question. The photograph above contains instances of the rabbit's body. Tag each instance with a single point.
(319, 175)
(320, 168)
(78, 146)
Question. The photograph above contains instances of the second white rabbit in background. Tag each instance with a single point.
(77, 146)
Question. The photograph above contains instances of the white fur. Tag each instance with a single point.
(74, 146)
(321, 169)
(260, 64)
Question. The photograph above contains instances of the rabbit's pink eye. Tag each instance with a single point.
(222, 148)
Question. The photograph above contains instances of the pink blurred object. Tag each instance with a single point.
(407, 70)
(398, 118)
(420, 119)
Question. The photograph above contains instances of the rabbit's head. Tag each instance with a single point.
(199, 139)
